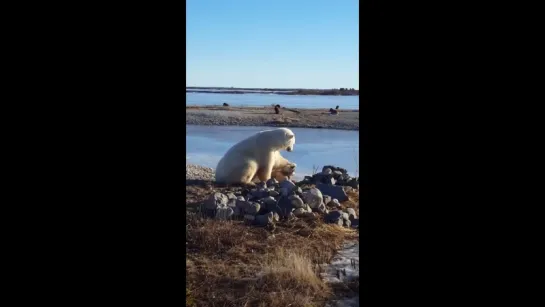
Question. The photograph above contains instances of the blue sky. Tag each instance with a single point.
(282, 44)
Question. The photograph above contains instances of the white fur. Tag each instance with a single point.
(255, 157)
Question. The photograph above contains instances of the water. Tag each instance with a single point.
(313, 147)
(293, 101)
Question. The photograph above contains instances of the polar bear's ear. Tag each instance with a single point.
(290, 136)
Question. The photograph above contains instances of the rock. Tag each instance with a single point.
(265, 219)
(321, 208)
(253, 208)
(327, 171)
(340, 222)
(353, 183)
(299, 211)
(334, 203)
(355, 223)
(331, 181)
(327, 199)
(308, 208)
(347, 223)
(313, 197)
(216, 200)
(269, 201)
(237, 211)
(334, 168)
(296, 201)
(261, 185)
(333, 191)
(299, 190)
(351, 213)
(284, 207)
(231, 196)
(232, 202)
(276, 217)
(347, 189)
(242, 204)
(333, 217)
(287, 184)
(345, 216)
(241, 198)
(261, 193)
(248, 218)
(337, 174)
(284, 192)
(308, 215)
(273, 193)
(271, 182)
(224, 213)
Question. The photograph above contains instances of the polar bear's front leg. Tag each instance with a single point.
(264, 172)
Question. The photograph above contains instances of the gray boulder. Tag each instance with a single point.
(216, 200)
(313, 197)
(296, 201)
(287, 184)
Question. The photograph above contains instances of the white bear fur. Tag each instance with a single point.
(256, 157)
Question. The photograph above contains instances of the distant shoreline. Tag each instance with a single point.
(265, 116)
(277, 91)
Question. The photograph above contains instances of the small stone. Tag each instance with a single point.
(308, 208)
(241, 198)
(276, 217)
(296, 201)
(334, 203)
(313, 197)
(340, 222)
(264, 219)
(327, 199)
(351, 213)
(299, 211)
(355, 223)
(321, 208)
(283, 207)
(345, 216)
(216, 200)
(224, 213)
(337, 174)
(284, 192)
(327, 171)
(347, 223)
(299, 190)
(271, 182)
(231, 196)
(253, 208)
(273, 193)
(331, 181)
(353, 183)
(261, 185)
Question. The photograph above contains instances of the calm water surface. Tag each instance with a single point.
(293, 101)
(313, 147)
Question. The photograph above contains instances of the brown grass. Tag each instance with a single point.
(232, 264)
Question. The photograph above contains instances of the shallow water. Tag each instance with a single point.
(344, 267)
(293, 101)
(313, 148)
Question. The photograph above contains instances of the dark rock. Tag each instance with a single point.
(333, 217)
(284, 207)
(333, 191)
(271, 182)
(261, 185)
(287, 184)
(265, 219)
(337, 174)
(273, 193)
(355, 223)
(334, 168)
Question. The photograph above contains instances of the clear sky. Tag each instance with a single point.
(272, 44)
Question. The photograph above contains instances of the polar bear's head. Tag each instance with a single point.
(279, 139)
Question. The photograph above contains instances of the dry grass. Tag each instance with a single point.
(231, 264)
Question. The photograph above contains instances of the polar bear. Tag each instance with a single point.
(256, 157)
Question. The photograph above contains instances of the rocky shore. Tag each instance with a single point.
(265, 116)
